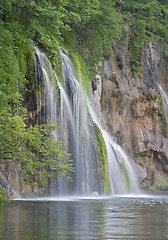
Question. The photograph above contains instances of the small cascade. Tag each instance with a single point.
(77, 131)
(164, 102)
(46, 102)
(122, 178)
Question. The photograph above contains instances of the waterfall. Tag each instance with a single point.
(164, 102)
(122, 178)
(74, 117)
(77, 131)
(47, 105)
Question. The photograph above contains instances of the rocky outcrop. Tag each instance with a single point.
(131, 106)
(13, 182)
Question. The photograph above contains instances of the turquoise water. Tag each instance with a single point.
(76, 218)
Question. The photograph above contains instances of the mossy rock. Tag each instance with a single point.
(103, 162)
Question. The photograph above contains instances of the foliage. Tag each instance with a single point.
(9, 72)
(22, 23)
(32, 148)
(96, 24)
(3, 200)
(147, 21)
(95, 38)
(42, 21)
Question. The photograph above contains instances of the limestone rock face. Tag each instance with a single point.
(132, 108)
(13, 182)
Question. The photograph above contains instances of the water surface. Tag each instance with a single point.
(75, 218)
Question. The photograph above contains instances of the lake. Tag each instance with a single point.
(81, 218)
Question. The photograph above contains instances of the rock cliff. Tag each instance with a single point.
(132, 108)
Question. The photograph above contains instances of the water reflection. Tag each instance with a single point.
(101, 219)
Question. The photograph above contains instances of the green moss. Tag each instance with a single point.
(82, 71)
(162, 185)
(58, 69)
(25, 58)
(164, 117)
(165, 130)
(126, 177)
(22, 61)
(69, 41)
(103, 162)
(81, 52)
(29, 56)
(134, 47)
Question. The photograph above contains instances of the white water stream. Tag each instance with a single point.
(164, 102)
(78, 133)
(122, 178)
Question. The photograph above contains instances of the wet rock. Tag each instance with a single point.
(94, 86)
(131, 107)
(13, 183)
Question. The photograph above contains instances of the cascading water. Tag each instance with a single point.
(122, 178)
(78, 133)
(164, 102)
(75, 121)
(47, 105)
(75, 131)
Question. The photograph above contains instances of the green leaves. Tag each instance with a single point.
(33, 148)
(148, 21)
(95, 22)
(8, 75)
(3, 200)
(21, 23)
(43, 21)
(96, 35)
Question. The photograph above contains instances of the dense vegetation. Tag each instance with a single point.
(89, 27)
(148, 22)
